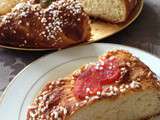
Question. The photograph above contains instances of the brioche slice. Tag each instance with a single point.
(117, 87)
(110, 10)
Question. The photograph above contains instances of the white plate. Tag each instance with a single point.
(25, 86)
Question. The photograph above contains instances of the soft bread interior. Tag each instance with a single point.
(128, 107)
(112, 10)
(7, 5)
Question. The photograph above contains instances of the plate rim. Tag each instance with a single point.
(140, 6)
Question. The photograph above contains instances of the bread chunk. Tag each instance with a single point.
(109, 10)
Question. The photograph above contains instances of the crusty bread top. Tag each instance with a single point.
(61, 24)
(57, 99)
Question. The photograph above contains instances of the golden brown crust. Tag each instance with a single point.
(151, 117)
(60, 25)
(138, 77)
(130, 5)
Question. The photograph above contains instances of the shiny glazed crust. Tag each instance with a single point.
(61, 24)
(130, 5)
(57, 100)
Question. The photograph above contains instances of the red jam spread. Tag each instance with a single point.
(94, 77)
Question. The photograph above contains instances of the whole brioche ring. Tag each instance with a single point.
(61, 24)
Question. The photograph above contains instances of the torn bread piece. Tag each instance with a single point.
(114, 11)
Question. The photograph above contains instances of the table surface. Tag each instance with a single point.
(144, 33)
